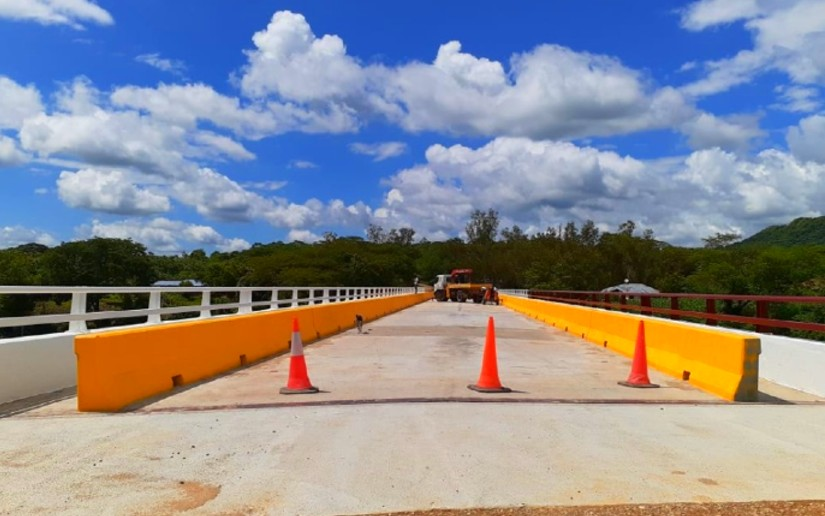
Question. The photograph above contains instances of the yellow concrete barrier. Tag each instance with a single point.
(118, 368)
(722, 363)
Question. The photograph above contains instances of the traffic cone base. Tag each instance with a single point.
(310, 390)
(638, 378)
(639, 385)
(489, 389)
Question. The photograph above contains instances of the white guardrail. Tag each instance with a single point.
(43, 365)
(277, 297)
(514, 292)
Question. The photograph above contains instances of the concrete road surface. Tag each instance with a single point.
(568, 436)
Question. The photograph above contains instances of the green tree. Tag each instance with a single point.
(99, 262)
(482, 227)
(719, 240)
(514, 234)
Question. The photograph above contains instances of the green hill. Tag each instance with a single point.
(801, 231)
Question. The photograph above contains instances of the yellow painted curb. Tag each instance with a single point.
(118, 368)
(722, 363)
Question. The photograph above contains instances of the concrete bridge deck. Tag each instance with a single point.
(395, 428)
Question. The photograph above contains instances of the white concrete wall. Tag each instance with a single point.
(36, 365)
(795, 363)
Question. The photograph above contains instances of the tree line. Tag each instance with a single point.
(569, 257)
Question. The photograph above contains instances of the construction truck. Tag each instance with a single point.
(459, 287)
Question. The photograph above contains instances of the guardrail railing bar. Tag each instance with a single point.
(78, 316)
(619, 301)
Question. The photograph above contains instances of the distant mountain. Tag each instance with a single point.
(801, 231)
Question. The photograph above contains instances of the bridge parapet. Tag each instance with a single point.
(725, 364)
(118, 368)
(32, 365)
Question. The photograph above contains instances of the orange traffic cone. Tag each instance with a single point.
(298, 382)
(638, 371)
(488, 379)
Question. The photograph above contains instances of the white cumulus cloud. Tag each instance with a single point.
(798, 99)
(185, 105)
(302, 235)
(788, 37)
(79, 97)
(265, 185)
(109, 191)
(548, 92)
(56, 12)
(729, 133)
(103, 138)
(544, 184)
(302, 164)
(162, 235)
(289, 60)
(173, 66)
(217, 146)
(379, 151)
(10, 154)
(807, 140)
(708, 13)
(13, 236)
(17, 103)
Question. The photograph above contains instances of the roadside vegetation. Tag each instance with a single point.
(570, 257)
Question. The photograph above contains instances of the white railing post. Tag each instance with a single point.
(78, 317)
(78, 308)
(245, 298)
(154, 304)
(206, 300)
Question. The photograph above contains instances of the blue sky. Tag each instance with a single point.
(215, 125)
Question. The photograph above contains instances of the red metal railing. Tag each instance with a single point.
(756, 313)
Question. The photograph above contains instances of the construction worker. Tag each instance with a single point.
(490, 295)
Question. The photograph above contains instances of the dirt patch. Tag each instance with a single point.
(191, 496)
(795, 508)
(18, 459)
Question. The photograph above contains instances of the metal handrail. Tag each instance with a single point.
(78, 315)
(730, 297)
(761, 321)
(514, 292)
